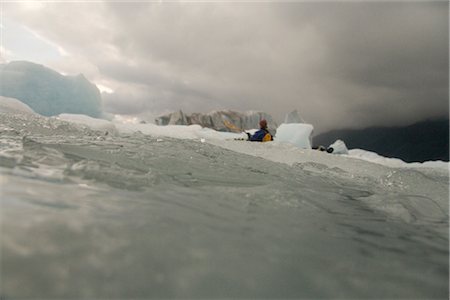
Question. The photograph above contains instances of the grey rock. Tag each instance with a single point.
(226, 120)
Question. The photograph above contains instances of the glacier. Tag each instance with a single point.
(91, 209)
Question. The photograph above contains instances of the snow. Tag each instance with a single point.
(177, 131)
(93, 123)
(285, 149)
(394, 162)
(290, 144)
(13, 105)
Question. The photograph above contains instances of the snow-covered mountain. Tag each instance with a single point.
(47, 92)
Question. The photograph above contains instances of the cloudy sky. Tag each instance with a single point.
(340, 64)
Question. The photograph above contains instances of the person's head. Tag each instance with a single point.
(263, 124)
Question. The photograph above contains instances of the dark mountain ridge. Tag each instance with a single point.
(419, 142)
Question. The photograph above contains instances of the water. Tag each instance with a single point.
(89, 215)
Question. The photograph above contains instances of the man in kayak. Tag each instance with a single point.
(262, 135)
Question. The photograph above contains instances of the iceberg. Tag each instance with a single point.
(48, 92)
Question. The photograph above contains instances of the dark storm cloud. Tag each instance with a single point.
(349, 64)
(386, 62)
(395, 45)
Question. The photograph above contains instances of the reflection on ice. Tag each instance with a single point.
(89, 215)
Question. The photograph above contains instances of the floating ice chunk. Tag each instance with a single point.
(339, 147)
(13, 105)
(296, 134)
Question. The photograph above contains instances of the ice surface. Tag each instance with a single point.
(142, 214)
(295, 134)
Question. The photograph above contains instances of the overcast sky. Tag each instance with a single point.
(340, 64)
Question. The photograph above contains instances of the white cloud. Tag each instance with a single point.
(5, 55)
(104, 89)
(32, 5)
(60, 49)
